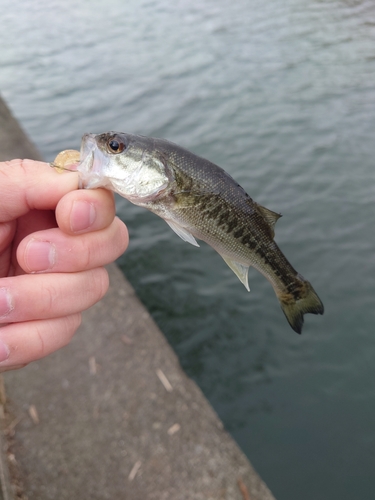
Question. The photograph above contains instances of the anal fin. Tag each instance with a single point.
(239, 270)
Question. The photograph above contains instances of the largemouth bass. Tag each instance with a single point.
(199, 200)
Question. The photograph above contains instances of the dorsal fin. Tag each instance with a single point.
(269, 216)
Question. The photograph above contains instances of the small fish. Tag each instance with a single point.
(199, 200)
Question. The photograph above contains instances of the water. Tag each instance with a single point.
(282, 95)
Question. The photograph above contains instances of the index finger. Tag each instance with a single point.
(27, 185)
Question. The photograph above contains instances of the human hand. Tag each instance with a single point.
(54, 240)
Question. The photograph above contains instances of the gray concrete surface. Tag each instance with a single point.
(113, 416)
(14, 143)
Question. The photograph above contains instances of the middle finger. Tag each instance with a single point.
(52, 250)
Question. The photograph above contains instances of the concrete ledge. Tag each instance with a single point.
(113, 416)
(110, 426)
(14, 143)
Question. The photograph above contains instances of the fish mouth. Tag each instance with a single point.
(92, 166)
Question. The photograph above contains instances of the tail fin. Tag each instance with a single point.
(297, 300)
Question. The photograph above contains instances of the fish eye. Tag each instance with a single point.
(116, 146)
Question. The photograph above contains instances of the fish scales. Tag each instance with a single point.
(199, 200)
(227, 217)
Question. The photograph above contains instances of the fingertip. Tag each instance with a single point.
(74, 321)
(123, 237)
(85, 210)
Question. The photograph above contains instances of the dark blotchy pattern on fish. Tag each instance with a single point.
(218, 211)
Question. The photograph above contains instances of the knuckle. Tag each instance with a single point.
(85, 257)
(40, 344)
(49, 297)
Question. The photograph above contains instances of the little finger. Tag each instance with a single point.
(21, 343)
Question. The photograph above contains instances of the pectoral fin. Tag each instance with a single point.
(239, 270)
(182, 232)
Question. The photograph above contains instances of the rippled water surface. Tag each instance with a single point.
(282, 95)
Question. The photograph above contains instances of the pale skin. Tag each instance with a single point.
(54, 242)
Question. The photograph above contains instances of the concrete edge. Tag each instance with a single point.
(14, 140)
(6, 491)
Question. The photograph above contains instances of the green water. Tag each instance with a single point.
(282, 95)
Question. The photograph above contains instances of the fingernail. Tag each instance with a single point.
(40, 255)
(6, 305)
(82, 216)
(4, 351)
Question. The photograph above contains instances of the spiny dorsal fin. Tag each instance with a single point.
(269, 216)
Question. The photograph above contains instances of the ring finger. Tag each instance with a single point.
(43, 296)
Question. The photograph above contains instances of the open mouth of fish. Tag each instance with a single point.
(93, 165)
